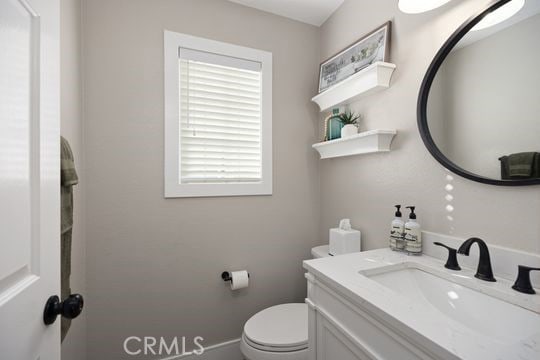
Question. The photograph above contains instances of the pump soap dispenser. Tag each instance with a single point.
(396, 231)
(413, 234)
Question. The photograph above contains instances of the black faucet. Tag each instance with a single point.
(452, 262)
(523, 281)
(484, 271)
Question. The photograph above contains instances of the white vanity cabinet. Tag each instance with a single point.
(342, 329)
(385, 305)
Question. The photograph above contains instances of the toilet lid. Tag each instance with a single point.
(280, 326)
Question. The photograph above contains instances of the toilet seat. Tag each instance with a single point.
(280, 328)
(277, 349)
(251, 353)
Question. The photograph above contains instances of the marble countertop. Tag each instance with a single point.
(344, 274)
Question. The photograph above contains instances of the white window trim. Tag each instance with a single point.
(172, 42)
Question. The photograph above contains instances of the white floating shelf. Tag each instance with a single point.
(372, 79)
(363, 143)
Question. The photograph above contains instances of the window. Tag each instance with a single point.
(218, 118)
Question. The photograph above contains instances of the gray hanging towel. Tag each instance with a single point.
(68, 178)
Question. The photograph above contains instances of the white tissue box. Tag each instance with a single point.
(344, 241)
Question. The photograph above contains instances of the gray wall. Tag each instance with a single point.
(154, 265)
(365, 188)
(71, 121)
(491, 104)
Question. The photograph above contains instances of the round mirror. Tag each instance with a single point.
(479, 104)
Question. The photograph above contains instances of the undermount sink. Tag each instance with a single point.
(481, 313)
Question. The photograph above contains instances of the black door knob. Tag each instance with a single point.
(70, 308)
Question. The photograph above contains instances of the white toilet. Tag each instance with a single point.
(279, 332)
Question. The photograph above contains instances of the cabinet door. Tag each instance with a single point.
(333, 344)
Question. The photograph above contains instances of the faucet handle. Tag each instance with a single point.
(452, 262)
(523, 281)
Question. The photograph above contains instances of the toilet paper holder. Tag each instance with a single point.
(226, 276)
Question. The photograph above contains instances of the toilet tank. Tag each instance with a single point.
(320, 251)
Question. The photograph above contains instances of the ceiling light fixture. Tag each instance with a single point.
(503, 13)
(419, 6)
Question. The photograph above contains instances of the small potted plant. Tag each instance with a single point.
(350, 123)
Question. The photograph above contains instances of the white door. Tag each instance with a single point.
(29, 177)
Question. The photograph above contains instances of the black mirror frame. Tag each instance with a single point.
(424, 95)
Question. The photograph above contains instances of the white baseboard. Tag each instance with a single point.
(229, 350)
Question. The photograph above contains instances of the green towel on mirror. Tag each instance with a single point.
(68, 178)
(521, 164)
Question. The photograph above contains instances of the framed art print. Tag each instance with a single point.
(371, 48)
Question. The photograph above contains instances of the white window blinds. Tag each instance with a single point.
(220, 119)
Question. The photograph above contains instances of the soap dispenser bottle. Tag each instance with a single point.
(396, 231)
(413, 234)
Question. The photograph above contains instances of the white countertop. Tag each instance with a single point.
(426, 324)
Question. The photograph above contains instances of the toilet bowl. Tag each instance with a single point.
(276, 333)
(279, 332)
